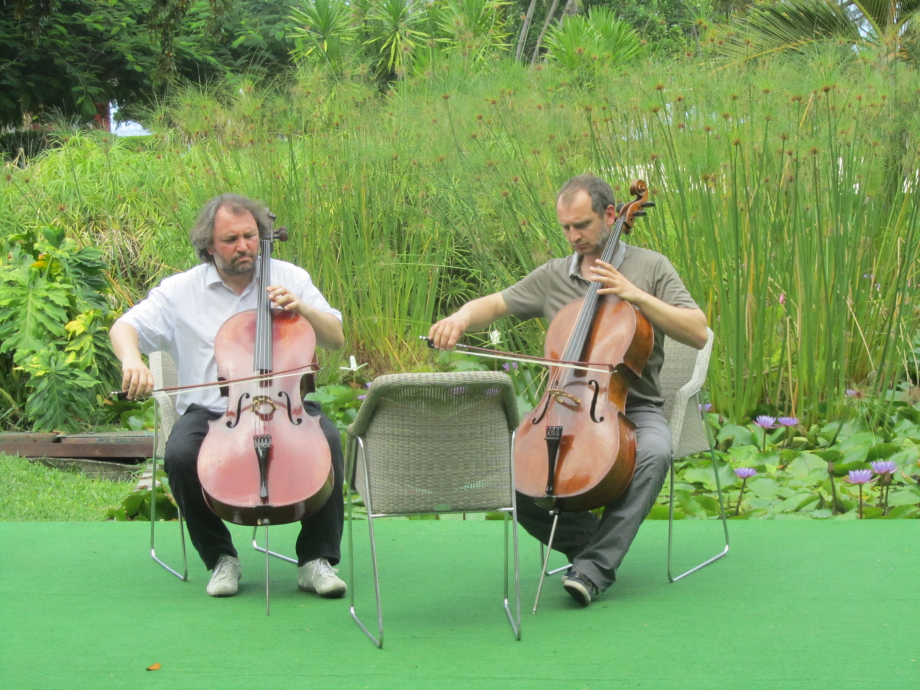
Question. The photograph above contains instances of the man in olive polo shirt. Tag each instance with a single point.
(586, 211)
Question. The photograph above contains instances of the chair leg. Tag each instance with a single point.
(549, 550)
(554, 571)
(515, 618)
(715, 470)
(351, 559)
(255, 545)
(153, 506)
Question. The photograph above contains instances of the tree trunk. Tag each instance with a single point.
(549, 18)
(525, 29)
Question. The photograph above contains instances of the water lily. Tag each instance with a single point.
(883, 467)
(765, 422)
(788, 421)
(859, 477)
(706, 408)
(744, 473)
(885, 470)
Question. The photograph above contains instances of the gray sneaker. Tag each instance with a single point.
(580, 588)
(320, 577)
(225, 577)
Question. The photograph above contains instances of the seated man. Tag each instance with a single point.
(182, 316)
(585, 209)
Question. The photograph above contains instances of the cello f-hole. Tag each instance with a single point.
(290, 416)
(597, 389)
(239, 411)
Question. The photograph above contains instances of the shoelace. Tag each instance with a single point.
(224, 569)
(323, 569)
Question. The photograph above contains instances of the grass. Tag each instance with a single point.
(36, 493)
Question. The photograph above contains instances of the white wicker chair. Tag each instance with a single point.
(164, 376)
(682, 377)
(434, 443)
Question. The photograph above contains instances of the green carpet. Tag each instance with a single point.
(796, 604)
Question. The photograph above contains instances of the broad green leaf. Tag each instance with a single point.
(739, 435)
(764, 487)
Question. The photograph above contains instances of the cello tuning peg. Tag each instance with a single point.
(639, 214)
(281, 234)
(648, 204)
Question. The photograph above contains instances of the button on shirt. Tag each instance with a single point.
(183, 313)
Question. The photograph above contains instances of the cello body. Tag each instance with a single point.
(265, 461)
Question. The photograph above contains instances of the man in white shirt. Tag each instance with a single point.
(181, 316)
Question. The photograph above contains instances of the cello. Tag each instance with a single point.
(252, 465)
(576, 450)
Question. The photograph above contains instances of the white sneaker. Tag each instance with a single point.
(320, 577)
(225, 578)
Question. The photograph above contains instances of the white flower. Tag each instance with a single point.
(352, 364)
(495, 337)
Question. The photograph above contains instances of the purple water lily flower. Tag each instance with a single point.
(706, 408)
(744, 473)
(883, 466)
(859, 476)
(765, 422)
(788, 421)
(361, 397)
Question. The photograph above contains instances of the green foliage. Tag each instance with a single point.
(796, 466)
(324, 31)
(583, 45)
(137, 505)
(55, 358)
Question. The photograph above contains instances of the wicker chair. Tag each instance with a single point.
(165, 376)
(682, 377)
(434, 443)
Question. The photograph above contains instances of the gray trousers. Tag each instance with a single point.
(596, 546)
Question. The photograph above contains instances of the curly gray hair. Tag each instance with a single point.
(202, 233)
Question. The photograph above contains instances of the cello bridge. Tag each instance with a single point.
(263, 407)
(559, 396)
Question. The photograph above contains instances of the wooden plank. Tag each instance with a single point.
(139, 450)
(93, 468)
(108, 437)
(26, 437)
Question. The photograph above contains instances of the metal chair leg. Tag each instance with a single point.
(255, 545)
(715, 471)
(351, 558)
(515, 620)
(153, 505)
(549, 550)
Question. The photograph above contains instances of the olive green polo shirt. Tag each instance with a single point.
(550, 287)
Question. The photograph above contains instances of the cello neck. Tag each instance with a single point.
(585, 319)
(262, 360)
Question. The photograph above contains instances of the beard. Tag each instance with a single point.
(235, 267)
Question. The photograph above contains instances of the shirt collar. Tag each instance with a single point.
(616, 262)
(213, 278)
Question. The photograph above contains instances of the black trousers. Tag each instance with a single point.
(320, 534)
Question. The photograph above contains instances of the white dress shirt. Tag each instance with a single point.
(183, 313)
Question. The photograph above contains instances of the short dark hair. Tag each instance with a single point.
(600, 192)
(202, 233)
